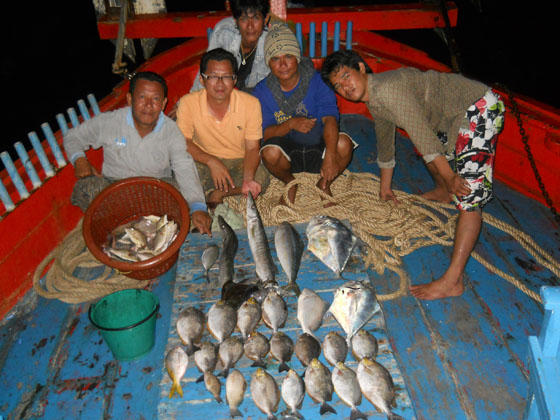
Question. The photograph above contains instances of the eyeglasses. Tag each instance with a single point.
(230, 78)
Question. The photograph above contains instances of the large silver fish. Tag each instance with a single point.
(293, 392)
(209, 257)
(258, 242)
(176, 362)
(310, 310)
(353, 305)
(318, 384)
(206, 358)
(229, 249)
(265, 392)
(377, 385)
(222, 319)
(348, 389)
(190, 325)
(289, 249)
(235, 391)
(331, 241)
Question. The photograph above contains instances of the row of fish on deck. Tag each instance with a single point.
(244, 304)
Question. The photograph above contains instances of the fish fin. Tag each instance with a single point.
(259, 363)
(393, 416)
(271, 417)
(325, 408)
(192, 349)
(234, 412)
(176, 387)
(283, 367)
(219, 399)
(357, 414)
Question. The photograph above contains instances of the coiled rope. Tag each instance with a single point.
(391, 231)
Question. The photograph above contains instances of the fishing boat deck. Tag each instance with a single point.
(457, 358)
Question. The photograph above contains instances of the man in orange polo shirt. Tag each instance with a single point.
(223, 128)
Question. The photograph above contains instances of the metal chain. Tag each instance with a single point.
(525, 140)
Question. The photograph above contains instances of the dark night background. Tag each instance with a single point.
(52, 55)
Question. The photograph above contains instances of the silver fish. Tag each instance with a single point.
(377, 385)
(209, 257)
(289, 249)
(293, 392)
(364, 344)
(213, 385)
(265, 392)
(136, 236)
(230, 352)
(190, 325)
(307, 348)
(353, 305)
(318, 384)
(258, 242)
(229, 249)
(235, 391)
(281, 349)
(331, 241)
(346, 386)
(248, 316)
(256, 348)
(165, 236)
(335, 348)
(222, 319)
(274, 310)
(176, 362)
(206, 358)
(310, 310)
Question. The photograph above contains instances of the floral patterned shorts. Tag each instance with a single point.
(475, 149)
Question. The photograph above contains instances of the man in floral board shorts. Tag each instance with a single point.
(446, 116)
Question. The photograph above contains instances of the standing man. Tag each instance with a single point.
(300, 116)
(223, 128)
(138, 140)
(447, 116)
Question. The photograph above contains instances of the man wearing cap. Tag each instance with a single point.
(300, 116)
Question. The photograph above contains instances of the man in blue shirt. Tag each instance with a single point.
(300, 116)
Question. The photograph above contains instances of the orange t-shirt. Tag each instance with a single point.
(224, 139)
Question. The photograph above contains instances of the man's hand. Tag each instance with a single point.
(302, 124)
(457, 185)
(388, 195)
(329, 170)
(202, 221)
(220, 175)
(251, 185)
(82, 168)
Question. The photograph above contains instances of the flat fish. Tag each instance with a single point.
(310, 310)
(318, 384)
(206, 358)
(307, 348)
(331, 241)
(377, 385)
(289, 249)
(364, 344)
(229, 249)
(222, 319)
(229, 353)
(235, 391)
(209, 257)
(256, 348)
(353, 305)
(274, 311)
(265, 393)
(190, 326)
(213, 385)
(248, 317)
(335, 348)
(281, 349)
(176, 362)
(346, 386)
(258, 242)
(293, 393)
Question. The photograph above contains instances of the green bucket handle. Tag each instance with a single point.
(155, 311)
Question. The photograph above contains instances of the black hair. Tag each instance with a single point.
(217, 54)
(150, 76)
(335, 61)
(240, 6)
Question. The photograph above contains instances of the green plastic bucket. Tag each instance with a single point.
(127, 321)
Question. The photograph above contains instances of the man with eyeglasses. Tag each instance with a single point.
(223, 128)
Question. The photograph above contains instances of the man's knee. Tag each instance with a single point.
(272, 156)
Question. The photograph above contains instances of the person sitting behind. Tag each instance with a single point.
(223, 128)
(447, 116)
(138, 140)
(300, 116)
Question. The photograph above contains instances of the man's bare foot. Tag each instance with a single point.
(291, 196)
(440, 288)
(438, 194)
(327, 191)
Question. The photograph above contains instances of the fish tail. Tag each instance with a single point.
(176, 387)
(326, 408)
(259, 363)
(219, 399)
(200, 379)
(271, 417)
(192, 349)
(283, 367)
(234, 412)
(297, 414)
(224, 372)
(393, 416)
(357, 414)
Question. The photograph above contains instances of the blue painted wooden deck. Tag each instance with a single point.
(460, 358)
